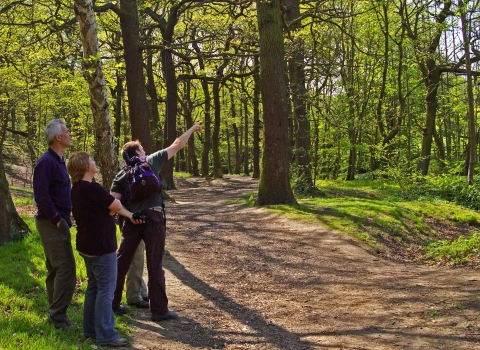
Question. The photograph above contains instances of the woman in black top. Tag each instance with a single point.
(92, 208)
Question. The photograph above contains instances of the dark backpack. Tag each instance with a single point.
(142, 182)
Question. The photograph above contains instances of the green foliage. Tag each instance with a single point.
(450, 188)
(458, 251)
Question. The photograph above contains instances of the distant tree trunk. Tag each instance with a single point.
(106, 154)
(472, 142)
(153, 105)
(274, 186)
(256, 120)
(245, 139)
(117, 94)
(12, 227)
(236, 138)
(137, 97)
(170, 132)
(207, 133)
(192, 162)
(217, 162)
(298, 92)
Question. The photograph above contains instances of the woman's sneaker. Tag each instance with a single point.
(116, 343)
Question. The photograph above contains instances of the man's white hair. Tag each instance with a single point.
(52, 129)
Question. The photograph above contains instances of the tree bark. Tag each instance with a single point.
(256, 120)
(298, 92)
(12, 227)
(274, 186)
(137, 97)
(106, 154)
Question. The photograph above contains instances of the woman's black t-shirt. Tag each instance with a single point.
(96, 229)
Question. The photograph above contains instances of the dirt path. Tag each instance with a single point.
(243, 278)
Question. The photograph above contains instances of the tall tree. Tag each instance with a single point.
(106, 153)
(135, 79)
(274, 187)
(298, 95)
(12, 226)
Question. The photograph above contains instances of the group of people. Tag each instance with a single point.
(93, 208)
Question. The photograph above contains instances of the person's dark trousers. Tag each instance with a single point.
(60, 263)
(153, 234)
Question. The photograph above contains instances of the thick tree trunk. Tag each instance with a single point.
(137, 97)
(106, 154)
(274, 187)
(12, 227)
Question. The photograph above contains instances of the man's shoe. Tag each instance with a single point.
(141, 304)
(121, 310)
(146, 298)
(168, 316)
(116, 343)
(64, 325)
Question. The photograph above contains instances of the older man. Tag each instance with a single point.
(51, 189)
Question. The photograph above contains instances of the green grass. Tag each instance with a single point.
(372, 210)
(23, 299)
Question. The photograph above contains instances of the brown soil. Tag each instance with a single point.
(244, 278)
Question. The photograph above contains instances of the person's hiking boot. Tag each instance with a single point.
(121, 310)
(163, 317)
(142, 304)
(65, 324)
(116, 343)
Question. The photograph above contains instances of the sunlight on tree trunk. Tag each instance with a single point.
(106, 154)
(274, 187)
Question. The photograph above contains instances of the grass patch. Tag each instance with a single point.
(374, 212)
(23, 298)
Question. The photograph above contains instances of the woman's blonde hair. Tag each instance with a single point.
(78, 165)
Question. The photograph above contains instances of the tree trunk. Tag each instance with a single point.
(117, 94)
(246, 152)
(12, 227)
(192, 162)
(217, 162)
(137, 97)
(472, 141)
(236, 138)
(256, 120)
(106, 154)
(274, 186)
(153, 105)
(431, 81)
(298, 93)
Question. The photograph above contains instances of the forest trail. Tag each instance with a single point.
(244, 278)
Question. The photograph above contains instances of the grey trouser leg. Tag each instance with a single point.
(60, 263)
(136, 287)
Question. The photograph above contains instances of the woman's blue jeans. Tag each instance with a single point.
(98, 320)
